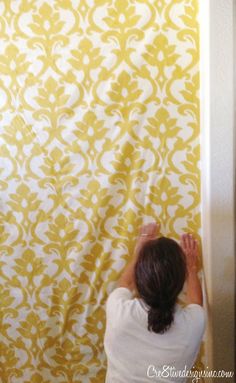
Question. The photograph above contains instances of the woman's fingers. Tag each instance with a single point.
(150, 229)
(184, 241)
(189, 241)
(190, 247)
(195, 245)
(189, 244)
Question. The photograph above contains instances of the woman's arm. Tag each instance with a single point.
(147, 232)
(127, 277)
(191, 250)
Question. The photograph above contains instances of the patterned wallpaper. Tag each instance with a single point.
(99, 133)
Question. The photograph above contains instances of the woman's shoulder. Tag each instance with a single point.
(119, 295)
(193, 316)
(123, 306)
(117, 299)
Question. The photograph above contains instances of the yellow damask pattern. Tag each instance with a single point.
(99, 132)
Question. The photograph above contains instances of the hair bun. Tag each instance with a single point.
(160, 318)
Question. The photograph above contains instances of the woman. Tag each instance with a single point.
(150, 337)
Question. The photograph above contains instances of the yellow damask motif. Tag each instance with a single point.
(99, 133)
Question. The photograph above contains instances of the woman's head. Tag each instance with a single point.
(160, 272)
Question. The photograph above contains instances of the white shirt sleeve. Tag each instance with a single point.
(195, 320)
(196, 317)
(116, 301)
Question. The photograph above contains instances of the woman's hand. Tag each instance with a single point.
(147, 232)
(191, 250)
(150, 230)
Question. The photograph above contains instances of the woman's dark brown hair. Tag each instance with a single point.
(160, 273)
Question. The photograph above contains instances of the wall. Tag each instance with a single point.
(218, 178)
(99, 133)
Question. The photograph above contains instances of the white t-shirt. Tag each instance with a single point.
(136, 355)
